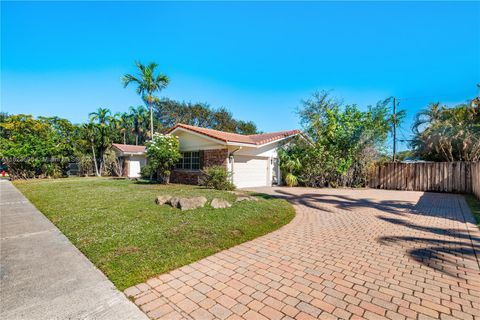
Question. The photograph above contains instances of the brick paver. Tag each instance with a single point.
(348, 254)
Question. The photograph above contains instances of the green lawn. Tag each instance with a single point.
(474, 205)
(118, 226)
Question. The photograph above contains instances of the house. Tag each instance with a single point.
(252, 159)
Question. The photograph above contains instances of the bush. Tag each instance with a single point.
(217, 177)
(148, 172)
(163, 151)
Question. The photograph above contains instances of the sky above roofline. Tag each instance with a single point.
(259, 60)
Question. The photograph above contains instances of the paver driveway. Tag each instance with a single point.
(347, 254)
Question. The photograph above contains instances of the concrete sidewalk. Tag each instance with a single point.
(43, 276)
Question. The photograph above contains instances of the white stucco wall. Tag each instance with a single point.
(193, 142)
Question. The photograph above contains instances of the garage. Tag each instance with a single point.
(250, 171)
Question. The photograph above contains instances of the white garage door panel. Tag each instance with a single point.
(250, 172)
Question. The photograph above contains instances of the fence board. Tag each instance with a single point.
(461, 177)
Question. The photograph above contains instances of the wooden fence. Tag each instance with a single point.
(475, 170)
(460, 177)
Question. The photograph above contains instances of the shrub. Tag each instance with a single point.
(217, 177)
(148, 172)
(163, 151)
(291, 180)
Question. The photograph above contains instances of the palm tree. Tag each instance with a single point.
(123, 122)
(148, 83)
(103, 120)
(89, 133)
(139, 118)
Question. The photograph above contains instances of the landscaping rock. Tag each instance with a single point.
(246, 198)
(163, 199)
(220, 204)
(191, 203)
(174, 201)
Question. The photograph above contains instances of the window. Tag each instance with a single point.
(190, 160)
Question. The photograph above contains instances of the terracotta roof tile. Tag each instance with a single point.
(129, 148)
(255, 139)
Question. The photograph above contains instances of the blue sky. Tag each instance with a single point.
(257, 59)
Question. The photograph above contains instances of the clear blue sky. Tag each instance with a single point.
(257, 59)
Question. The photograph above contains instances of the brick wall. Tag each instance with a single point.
(216, 157)
(207, 158)
(185, 176)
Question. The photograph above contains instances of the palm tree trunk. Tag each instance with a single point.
(151, 120)
(95, 161)
(124, 138)
(136, 139)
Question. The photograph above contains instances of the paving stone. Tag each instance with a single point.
(371, 254)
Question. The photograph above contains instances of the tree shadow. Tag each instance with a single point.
(451, 251)
(458, 259)
(429, 204)
(455, 233)
(331, 202)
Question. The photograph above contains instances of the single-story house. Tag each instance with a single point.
(252, 159)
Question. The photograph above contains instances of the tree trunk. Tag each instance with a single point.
(136, 139)
(151, 120)
(124, 138)
(95, 161)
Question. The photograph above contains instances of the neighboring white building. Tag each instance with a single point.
(252, 159)
(133, 157)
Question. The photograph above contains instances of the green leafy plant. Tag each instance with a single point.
(217, 177)
(163, 151)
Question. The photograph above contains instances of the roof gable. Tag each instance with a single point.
(128, 148)
(255, 139)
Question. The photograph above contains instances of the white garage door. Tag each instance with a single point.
(250, 172)
(134, 166)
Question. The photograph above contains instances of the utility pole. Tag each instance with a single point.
(394, 129)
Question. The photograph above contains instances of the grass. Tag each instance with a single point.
(117, 225)
(474, 205)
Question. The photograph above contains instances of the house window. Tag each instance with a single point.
(190, 160)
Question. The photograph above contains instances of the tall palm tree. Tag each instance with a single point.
(102, 119)
(89, 134)
(148, 83)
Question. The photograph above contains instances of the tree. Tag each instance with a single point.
(343, 141)
(170, 112)
(447, 134)
(148, 83)
(123, 123)
(139, 116)
(102, 121)
(89, 135)
(36, 147)
(163, 152)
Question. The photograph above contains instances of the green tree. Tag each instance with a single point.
(123, 123)
(170, 112)
(163, 152)
(89, 134)
(447, 134)
(102, 121)
(148, 83)
(343, 140)
(36, 147)
(139, 116)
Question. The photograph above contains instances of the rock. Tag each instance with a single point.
(220, 204)
(191, 203)
(163, 199)
(246, 198)
(174, 201)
